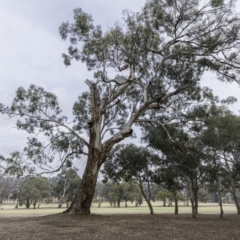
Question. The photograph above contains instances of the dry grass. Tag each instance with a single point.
(46, 209)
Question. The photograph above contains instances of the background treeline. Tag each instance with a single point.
(193, 159)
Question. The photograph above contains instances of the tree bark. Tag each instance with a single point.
(196, 201)
(194, 214)
(236, 201)
(16, 204)
(220, 205)
(82, 201)
(176, 204)
(97, 151)
(27, 203)
(100, 202)
(148, 200)
(34, 204)
(119, 202)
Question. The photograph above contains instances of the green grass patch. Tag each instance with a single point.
(8, 210)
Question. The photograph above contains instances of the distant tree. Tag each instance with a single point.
(33, 190)
(132, 163)
(67, 185)
(167, 197)
(170, 179)
(102, 191)
(221, 139)
(203, 195)
(122, 191)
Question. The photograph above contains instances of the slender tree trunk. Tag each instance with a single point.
(34, 204)
(16, 204)
(193, 208)
(164, 202)
(220, 205)
(100, 202)
(136, 203)
(236, 201)
(119, 202)
(233, 190)
(82, 201)
(126, 204)
(27, 203)
(176, 204)
(196, 201)
(148, 200)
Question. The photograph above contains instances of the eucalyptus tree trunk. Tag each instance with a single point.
(176, 203)
(16, 203)
(97, 151)
(82, 201)
(220, 205)
(195, 193)
(192, 200)
(147, 199)
(233, 190)
(191, 194)
(220, 200)
(236, 201)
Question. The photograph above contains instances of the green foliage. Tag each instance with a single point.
(156, 59)
(203, 195)
(124, 191)
(166, 196)
(67, 184)
(33, 190)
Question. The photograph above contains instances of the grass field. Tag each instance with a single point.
(7, 210)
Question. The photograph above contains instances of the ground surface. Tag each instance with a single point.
(67, 227)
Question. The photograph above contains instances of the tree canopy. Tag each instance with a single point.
(147, 70)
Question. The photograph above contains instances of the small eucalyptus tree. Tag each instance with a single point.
(144, 69)
(132, 163)
(221, 138)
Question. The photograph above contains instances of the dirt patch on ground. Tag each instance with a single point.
(67, 227)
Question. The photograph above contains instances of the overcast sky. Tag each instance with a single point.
(31, 49)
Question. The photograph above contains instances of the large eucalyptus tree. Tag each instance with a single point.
(144, 69)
